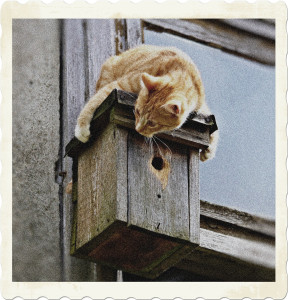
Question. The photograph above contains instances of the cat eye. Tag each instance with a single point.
(151, 123)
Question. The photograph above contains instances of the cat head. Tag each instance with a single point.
(160, 106)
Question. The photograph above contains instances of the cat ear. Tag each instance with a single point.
(150, 81)
(174, 107)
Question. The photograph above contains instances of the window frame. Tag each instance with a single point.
(234, 238)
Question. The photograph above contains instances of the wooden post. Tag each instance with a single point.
(137, 204)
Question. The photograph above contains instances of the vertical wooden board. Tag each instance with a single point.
(194, 198)
(73, 74)
(121, 136)
(164, 211)
(134, 32)
(120, 35)
(73, 99)
(100, 46)
(97, 187)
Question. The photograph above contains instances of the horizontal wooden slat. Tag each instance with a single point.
(219, 36)
(255, 26)
(255, 252)
(238, 218)
(220, 267)
(234, 246)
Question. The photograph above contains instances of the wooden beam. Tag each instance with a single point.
(234, 246)
(257, 27)
(220, 36)
(237, 218)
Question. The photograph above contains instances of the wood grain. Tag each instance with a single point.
(151, 207)
(100, 46)
(238, 218)
(255, 26)
(121, 140)
(73, 99)
(96, 187)
(134, 32)
(85, 48)
(215, 266)
(239, 248)
(219, 36)
(194, 194)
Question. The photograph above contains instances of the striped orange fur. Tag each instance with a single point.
(168, 85)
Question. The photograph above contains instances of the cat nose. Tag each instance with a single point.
(138, 127)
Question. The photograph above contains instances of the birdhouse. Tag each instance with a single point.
(136, 201)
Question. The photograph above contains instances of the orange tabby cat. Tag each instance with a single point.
(168, 85)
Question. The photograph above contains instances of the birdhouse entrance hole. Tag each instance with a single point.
(158, 163)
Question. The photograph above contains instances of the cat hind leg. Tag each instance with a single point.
(210, 152)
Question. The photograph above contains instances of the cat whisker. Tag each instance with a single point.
(148, 142)
(173, 131)
(157, 146)
(150, 145)
(164, 144)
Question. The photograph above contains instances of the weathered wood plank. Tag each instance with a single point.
(230, 250)
(238, 218)
(215, 34)
(135, 250)
(134, 32)
(100, 46)
(121, 140)
(253, 251)
(158, 193)
(194, 200)
(220, 267)
(255, 26)
(73, 74)
(73, 99)
(96, 187)
(120, 35)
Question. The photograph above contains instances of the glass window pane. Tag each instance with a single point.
(241, 94)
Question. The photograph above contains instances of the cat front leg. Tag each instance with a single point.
(82, 130)
(210, 152)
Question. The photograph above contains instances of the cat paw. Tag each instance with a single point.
(82, 133)
(206, 154)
